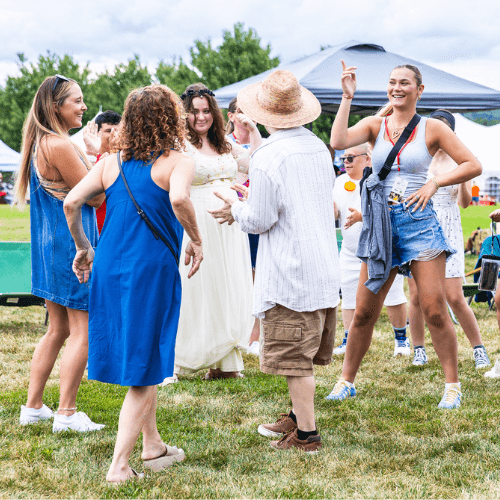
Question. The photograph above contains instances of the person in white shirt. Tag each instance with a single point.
(347, 200)
(290, 204)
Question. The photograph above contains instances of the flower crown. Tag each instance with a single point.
(198, 93)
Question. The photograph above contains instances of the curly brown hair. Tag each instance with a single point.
(152, 123)
(216, 134)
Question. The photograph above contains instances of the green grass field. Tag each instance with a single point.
(389, 442)
(14, 224)
(474, 217)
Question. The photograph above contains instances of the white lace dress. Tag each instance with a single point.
(448, 214)
(215, 319)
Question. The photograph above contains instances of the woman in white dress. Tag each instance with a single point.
(446, 202)
(215, 319)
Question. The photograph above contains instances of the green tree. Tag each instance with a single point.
(111, 88)
(177, 76)
(17, 96)
(239, 56)
(322, 126)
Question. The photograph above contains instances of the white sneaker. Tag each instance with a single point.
(79, 421)
(402, 347)
(253, 348)
(169, 380)
(32, 415)
(495, 371)
(341, 348)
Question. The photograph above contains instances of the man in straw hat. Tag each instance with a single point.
(290, 204)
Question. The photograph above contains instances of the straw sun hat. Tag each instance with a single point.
(279, 101)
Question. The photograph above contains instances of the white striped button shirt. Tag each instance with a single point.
(291, 206)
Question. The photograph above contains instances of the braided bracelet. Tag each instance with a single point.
(347, 96)
(435, 182)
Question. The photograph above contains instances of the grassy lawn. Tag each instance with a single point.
(389, 442)
(474, 217)
(14, 223)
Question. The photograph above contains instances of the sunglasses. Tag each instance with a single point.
(350, 158)
(59, 78)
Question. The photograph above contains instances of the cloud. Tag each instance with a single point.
(439, 32)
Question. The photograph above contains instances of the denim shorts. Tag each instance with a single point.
(414, 234)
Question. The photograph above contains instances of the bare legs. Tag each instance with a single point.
(458, 304)
(368, 307)
(64, 323)
(397, 315)
(429, 280)
(432, 297)
(138, 414)
(302, 391)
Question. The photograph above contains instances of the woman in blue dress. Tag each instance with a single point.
(51, 165)
(132, 330)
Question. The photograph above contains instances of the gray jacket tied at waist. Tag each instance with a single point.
(375, 240)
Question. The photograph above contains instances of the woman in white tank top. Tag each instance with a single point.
(413, 222)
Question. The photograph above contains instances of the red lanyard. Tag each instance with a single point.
(405, 144)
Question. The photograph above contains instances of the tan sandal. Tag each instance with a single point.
(171, 455)
(134, 476)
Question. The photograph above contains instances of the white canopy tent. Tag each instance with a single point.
(483, 142)
(9, 159)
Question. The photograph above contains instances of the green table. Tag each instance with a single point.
(15, 275)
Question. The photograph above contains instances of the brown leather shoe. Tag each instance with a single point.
(283, 426)
(310, 445)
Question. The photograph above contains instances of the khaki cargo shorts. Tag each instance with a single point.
(292, 342)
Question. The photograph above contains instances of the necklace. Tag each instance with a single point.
(396, 131)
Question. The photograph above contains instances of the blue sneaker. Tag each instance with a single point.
(451, 397)
(480, 357)
(342, 390)
(420, 357)
(341, 348)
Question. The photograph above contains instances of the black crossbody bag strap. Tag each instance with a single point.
(384, 172)
(156, 234)
(397, 147)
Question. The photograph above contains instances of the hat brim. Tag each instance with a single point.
(248, 102)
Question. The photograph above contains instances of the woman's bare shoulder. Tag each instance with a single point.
(56, 143)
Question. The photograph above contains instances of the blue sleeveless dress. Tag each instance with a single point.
(136, 287)
(53, 248)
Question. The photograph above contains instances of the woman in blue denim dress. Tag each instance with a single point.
(418, 242)
(51, 165)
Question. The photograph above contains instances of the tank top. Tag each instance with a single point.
(414, 160)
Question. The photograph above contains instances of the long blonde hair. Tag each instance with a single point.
(42, 120)
(388, 109)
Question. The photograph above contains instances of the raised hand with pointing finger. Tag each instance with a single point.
(348, 79)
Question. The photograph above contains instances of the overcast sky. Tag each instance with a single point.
(458, 36)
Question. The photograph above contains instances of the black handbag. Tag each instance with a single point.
(145, 218)
(384, 172)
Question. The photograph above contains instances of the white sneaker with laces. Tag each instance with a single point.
(481, 357)
(79, 422)
(451, 398)
(495, 371)
(33, 415)
(402, 347)
(420, 357)
(253, 348)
